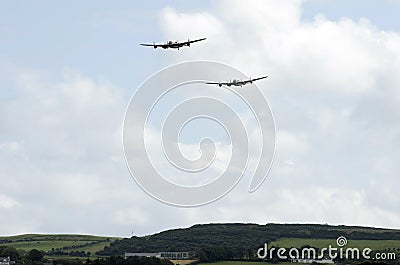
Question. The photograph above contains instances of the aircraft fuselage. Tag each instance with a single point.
(174, 45)
(240, 82)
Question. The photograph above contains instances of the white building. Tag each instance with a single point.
(174, 255)
(5, 261)
(321, 261)
(148, 255)
(161, 255)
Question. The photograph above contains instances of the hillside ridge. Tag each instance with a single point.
(238, 237)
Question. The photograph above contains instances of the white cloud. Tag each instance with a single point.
(290, 143)
(7, 202)
(334, 94)
(131, 216)
(334, 90)
(61, 151)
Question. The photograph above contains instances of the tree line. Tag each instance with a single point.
(239, 238)
(36, 257)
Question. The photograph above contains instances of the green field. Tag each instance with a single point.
(378, 245)
(321, 243)
(243, 263)
(93, 244)
(49, 242)
(45, 245)
(94, 248)
(44, 237)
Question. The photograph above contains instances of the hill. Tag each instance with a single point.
(232, 240)
(59, 245)
(240, 239)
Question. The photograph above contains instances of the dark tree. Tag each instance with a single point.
(35, 255)
(6, 251)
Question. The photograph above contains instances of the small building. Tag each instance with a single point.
(148, 255)
(160, 255)
(321, 261)
(174, 255)
(5, 261)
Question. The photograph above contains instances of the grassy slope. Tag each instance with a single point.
(243, 263)
(47, 242)
(44, 245)
(321, 243)
(239, 237)
(45, 237)
(94, 248)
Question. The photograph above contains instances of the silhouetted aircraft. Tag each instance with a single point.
(172, 44)
(236, 82)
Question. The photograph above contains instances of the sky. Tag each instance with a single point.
(69, 69)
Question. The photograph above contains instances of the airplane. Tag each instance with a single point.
(172, 44)
(236, 82)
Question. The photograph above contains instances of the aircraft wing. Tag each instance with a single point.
(191, 41)
(154, 45)
(150, 45)
(255, 79)
(217, 83)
